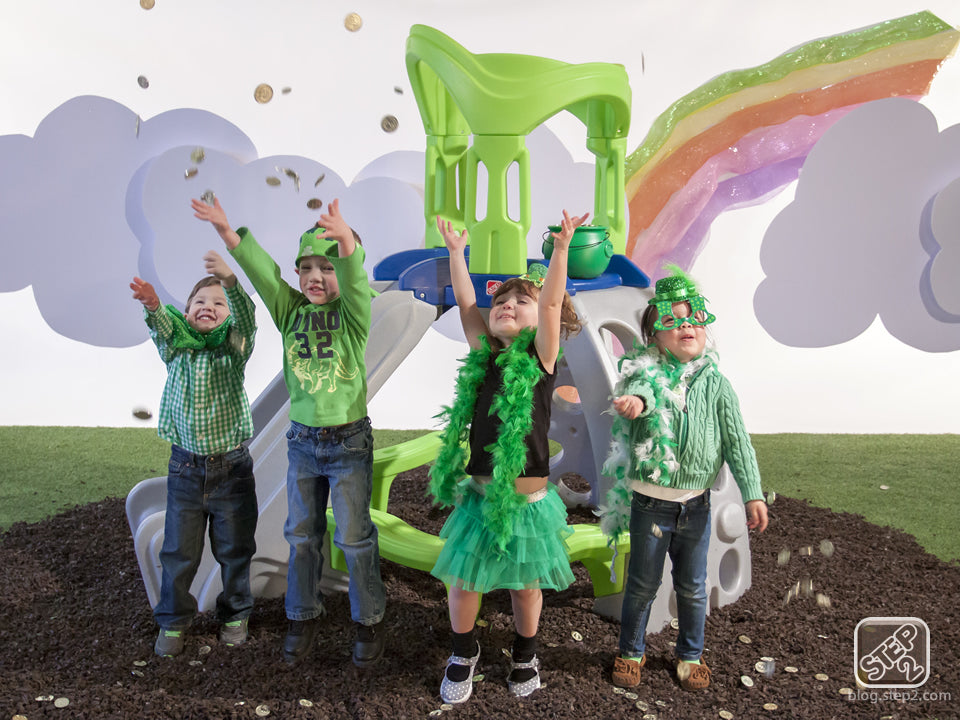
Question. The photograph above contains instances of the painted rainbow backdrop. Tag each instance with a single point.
(745, 134)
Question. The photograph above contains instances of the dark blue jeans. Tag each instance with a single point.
(201, 488)
(684, 530)
(334, 463)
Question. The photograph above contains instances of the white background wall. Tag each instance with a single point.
(211, 54)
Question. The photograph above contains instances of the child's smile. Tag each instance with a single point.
(208, 309)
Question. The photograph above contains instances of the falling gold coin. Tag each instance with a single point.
(806, 550)
(823, 601)
(208, 197)
(353, 22)
(305, 703)
(316, 204)
(398, 90)
(675, 623)
(286, 90)
(806, 587)
(783, 557)
(147, 4)
(320, 179)
(822, 677)
(61, 702)
(263, 93)
(197, 155)
(826, 548)
(389, 123)
(143, 82)
(657, 532)
(142, 413)
(273, 181)
(771, 497)
(190, 173)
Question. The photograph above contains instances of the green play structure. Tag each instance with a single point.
(498, 99)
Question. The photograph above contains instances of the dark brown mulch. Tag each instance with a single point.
(74, 621)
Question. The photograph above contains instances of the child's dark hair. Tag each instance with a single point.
(646, 324)
(205, 282)
(569, 321)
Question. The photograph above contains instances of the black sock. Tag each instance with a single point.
(464, 645)
(524, 650)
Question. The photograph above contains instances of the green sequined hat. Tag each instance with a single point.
(674, 288)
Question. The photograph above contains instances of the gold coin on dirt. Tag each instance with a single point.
(262, 710)
(770, 706)
(783, 557)
(195, 663)
(822, 677)
(353, 22)
(826, 548)
(790, 669)
(436, 713)
(481, 622)
(618, 690)
(576, 636)
(845, 691)
(140, 663)
(44, 698)
(806, 550)
(147, 4)
(389, 123)
(19, 717)
(137, 673)
(746, 681)
(744, 639)
(263, 93)
(204, 649)
(771, 497)
(725, 714)
(630, 695)
(446, 706)
(641, 705)
(306, 703)
(823, 600)
(61, 702)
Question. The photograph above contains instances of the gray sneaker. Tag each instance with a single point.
(169, 643)
(234, 632)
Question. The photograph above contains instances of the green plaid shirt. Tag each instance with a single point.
(204, 407)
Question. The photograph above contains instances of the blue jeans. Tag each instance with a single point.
(221, 489)
(685, 534)
(334, 462)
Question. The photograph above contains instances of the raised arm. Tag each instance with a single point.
(337, 229)
(470, 316)
(551, 294)
(215, 215)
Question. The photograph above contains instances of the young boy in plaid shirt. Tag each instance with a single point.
(205, 414)
(325, 325)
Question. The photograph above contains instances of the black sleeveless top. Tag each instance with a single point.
(485, 427)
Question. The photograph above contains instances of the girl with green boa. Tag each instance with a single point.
(508, 527)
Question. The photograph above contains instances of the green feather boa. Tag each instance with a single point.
(513, 404)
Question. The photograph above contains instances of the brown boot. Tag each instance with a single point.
(626, 673)
(693, 676)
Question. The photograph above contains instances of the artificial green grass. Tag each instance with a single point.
(46, 470)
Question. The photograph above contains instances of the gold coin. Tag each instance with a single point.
(197, 155)
(147, 4)
(446, 706)
(320, 179)
(286, 90)
(436, 713)
(725, 714)
(263, 710)
(790, 669)
(273, 181)
(44, 698)
(305, 703)
(771, 497)
(140, 663)
(618, 690)
(884, 487)
(806, 586)
(845, 691)
(630, 695)
(19, 717)
(769, 706)
(746, 680)
(826, 548)
(353, 22)
(143, 82)
(61, 702)
(822, 677)
(204, 649)
(208, 197)
(823, 601)
(806, 550)
(316, 204)
(641, 705)
(760, 666)
(190, 173)
(263, 93)
(675, 623)
(576, 636)
(138, 673)
(141, 413)
(196, 663)
(744, 639)
(783, 557)
(657, 532)
(389, 123)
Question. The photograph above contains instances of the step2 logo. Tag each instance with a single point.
(891, 652)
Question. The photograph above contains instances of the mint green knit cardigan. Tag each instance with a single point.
(698, 429)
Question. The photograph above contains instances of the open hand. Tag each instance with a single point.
(144, 292)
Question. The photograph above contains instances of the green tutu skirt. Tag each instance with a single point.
(535, 557)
